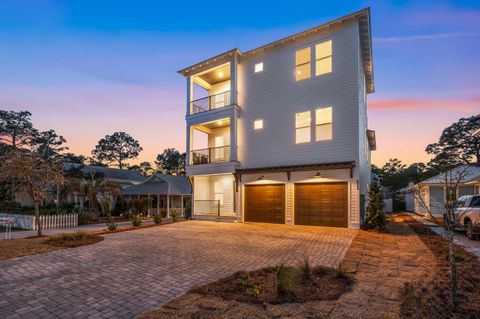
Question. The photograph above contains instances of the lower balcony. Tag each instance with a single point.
(211, 155)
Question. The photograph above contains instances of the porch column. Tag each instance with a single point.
(189, 144)
(158, 203)
(149, 205)
(233, 136)
(181, 205)
(168, 206)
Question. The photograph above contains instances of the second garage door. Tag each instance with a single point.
(321, 204)
(265, 203)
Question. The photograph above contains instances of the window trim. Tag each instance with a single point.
(309, 126)
(309, 63)
(324, 57)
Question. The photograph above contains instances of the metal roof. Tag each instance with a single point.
(110, 173)
(161, 184)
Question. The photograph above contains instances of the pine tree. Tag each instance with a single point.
(375, 217)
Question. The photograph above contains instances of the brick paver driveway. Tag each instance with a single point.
(131, 272)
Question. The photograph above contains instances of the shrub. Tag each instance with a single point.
(139, 206)
(157, 218)
(136, 221)
(188, 210)
(175, 214)
(69, 236)
(375, 215)
(285, 285)
(339, 272)
(242, 279)
(83, 217)
(254, 290)
(111, 224)
(306, 268)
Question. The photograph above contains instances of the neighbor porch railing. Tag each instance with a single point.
(211, 102)
(211, 155)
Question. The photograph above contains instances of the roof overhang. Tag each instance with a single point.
(363, 17)
(297, 168)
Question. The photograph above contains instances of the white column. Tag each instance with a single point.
(233, 136)
(189, 144)
(233, 80)
(149, 205)
(168, 206)
(181, 204)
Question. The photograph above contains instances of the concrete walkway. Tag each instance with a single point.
(132, 272)
(92, 227)
(472, 246)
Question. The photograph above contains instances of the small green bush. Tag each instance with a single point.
(157, 218)
(188, 210)
(111, 224)
(255, 290)
(136, 221)
(285, 284)
(83, 217)
(242, 279)
(70, 236)
(175, 214)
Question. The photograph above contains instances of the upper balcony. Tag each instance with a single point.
(211, 89)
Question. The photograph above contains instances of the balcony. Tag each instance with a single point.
(211, 155)
(211, 102)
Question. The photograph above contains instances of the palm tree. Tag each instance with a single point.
(95, 185)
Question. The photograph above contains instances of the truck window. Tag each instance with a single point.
(475, 201)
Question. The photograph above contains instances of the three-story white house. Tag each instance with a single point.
(279, 134)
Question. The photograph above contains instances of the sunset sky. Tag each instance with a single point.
(90, 68)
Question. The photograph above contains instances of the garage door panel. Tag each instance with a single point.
(265, 203)
(321, 204)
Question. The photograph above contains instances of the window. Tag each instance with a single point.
(323, 58)
(302, 64)
(323, 124)
(302, 127)
(258, 124)
(259, 67)
(475, 201)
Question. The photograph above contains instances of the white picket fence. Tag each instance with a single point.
(47, 221)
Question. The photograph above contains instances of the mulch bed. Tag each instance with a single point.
(259, 286)
(36, 245)
(430, 298)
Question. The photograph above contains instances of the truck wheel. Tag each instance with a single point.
(469, 230)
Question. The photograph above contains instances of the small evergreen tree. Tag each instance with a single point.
(375, 217)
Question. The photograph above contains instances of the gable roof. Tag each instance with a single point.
(465, 173)
(363, 17)
(110, 173)
(161, 184)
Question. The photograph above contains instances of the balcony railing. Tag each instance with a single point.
(211, 102)
(207, 207)
(211, 155)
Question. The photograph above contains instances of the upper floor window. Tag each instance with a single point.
(258, 124)
(323, 124)
(323, 58)
(259, 67)
(302, 64)
(302, 127)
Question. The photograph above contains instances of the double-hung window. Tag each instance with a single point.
(302, 64)
(302, 127)
(323, 124)
(323, 57)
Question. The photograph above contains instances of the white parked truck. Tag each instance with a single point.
(467, 215)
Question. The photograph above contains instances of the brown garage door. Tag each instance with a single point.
(324, 204)
(265, 203)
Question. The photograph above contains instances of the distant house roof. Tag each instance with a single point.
(463, 173)
(161, 184)
(363, 16)
(122, 176)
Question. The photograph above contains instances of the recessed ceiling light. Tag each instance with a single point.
(220, 74)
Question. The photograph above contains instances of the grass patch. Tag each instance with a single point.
(430, 298)
(71, 240)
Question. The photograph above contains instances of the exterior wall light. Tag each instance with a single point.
(318, 175)
(260, 178)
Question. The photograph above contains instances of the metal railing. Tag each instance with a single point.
(211, 102)
(207, 207)
(211, 155)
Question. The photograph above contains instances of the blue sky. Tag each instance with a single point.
(89, 68)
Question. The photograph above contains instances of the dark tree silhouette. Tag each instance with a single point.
(116, 148)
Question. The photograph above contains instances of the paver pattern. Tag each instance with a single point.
(131, 272)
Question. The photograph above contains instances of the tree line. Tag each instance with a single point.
(17, 132)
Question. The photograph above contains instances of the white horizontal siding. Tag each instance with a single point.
(274, 96)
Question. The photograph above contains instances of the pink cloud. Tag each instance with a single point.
(467, 105)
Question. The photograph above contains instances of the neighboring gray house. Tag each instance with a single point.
(164, 193)
(121, 176)
(279, 134)
(431, 193)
